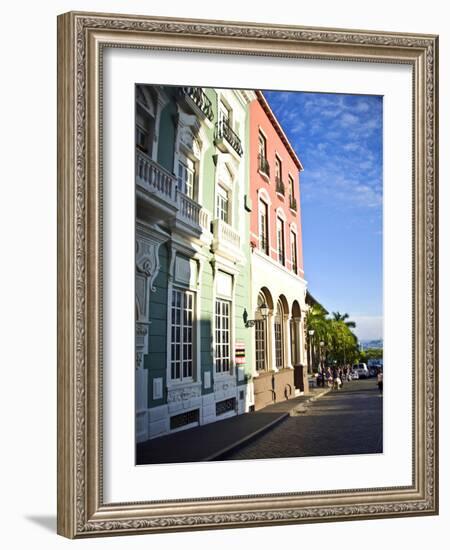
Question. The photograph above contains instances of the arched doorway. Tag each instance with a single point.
(279, 335)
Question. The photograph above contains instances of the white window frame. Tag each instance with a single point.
(183, 292)
(278, 162)
(263, 208)
(261, 328)
(278, 319)
(225, 297)
(291, 178)
(295, 250)
(264, 139)
(282, 222)
(221, 358)
(224, 107)
(223, 197)
(189, 167)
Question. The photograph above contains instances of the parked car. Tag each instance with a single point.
(362, 370)
(354, 375)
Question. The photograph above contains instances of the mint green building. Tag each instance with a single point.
(193, 350)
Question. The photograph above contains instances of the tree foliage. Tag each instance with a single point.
(340, 345)
(371, 353)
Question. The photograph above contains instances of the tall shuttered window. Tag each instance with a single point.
(182, 337)
(186, 177)
(263, 227)
(222, 204)
(279, 336)
(223, 335)
(280, 241)
(294, 252)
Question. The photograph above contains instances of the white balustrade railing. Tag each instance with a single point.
(157, 180)
(205, 219)
(189, 210)
(224, 233)
(154, 178)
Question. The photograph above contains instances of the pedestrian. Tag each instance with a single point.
(336, 379)
(341, 376)
(380, 380)
(329, 378)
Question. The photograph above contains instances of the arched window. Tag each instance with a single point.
(279, 335)
(260, 335)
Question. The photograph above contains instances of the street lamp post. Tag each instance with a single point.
(322, 344)
(310, 365)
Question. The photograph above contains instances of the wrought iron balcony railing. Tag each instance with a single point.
(224, 131)
(293, 203)
(202, 101)
(263, 165)
(279, 186)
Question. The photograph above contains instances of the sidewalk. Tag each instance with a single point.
(211, 441)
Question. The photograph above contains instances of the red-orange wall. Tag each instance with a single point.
(260, 120)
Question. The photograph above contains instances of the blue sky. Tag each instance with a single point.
(339, 141)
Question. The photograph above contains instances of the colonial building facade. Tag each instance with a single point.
(193, 349)
(278, 287)
(220, 293)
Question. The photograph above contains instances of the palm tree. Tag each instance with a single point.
(343, 317)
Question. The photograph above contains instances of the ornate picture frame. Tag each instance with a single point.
(82, 38)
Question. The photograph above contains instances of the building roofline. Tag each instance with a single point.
(276, 124)
(312, 301)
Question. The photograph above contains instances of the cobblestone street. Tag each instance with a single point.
(348, 421)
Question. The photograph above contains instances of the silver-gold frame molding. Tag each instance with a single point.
(81, 39)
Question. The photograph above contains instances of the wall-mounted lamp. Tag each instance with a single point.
(264, 312)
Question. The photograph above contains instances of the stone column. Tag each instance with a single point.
(271, 342)
(287, 343)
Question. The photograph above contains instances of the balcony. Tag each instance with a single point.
(155, 190)
(226, 137)
(226, 241)
(293, 203)
(200, 99)
(188, 215)
(263, 165)
(158, 200)
(279, 186)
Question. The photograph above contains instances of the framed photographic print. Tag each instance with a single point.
(247, 276)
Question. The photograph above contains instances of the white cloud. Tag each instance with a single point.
(362, 106)
(348, 119)
(351, 147)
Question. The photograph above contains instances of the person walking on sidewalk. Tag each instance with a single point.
(336, 379)
(380, 380)
(329, 376)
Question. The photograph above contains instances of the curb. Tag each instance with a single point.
(303, 407)
(247, 438)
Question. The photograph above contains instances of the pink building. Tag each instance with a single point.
(278, 283)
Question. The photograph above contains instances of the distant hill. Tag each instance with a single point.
(366, 344)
